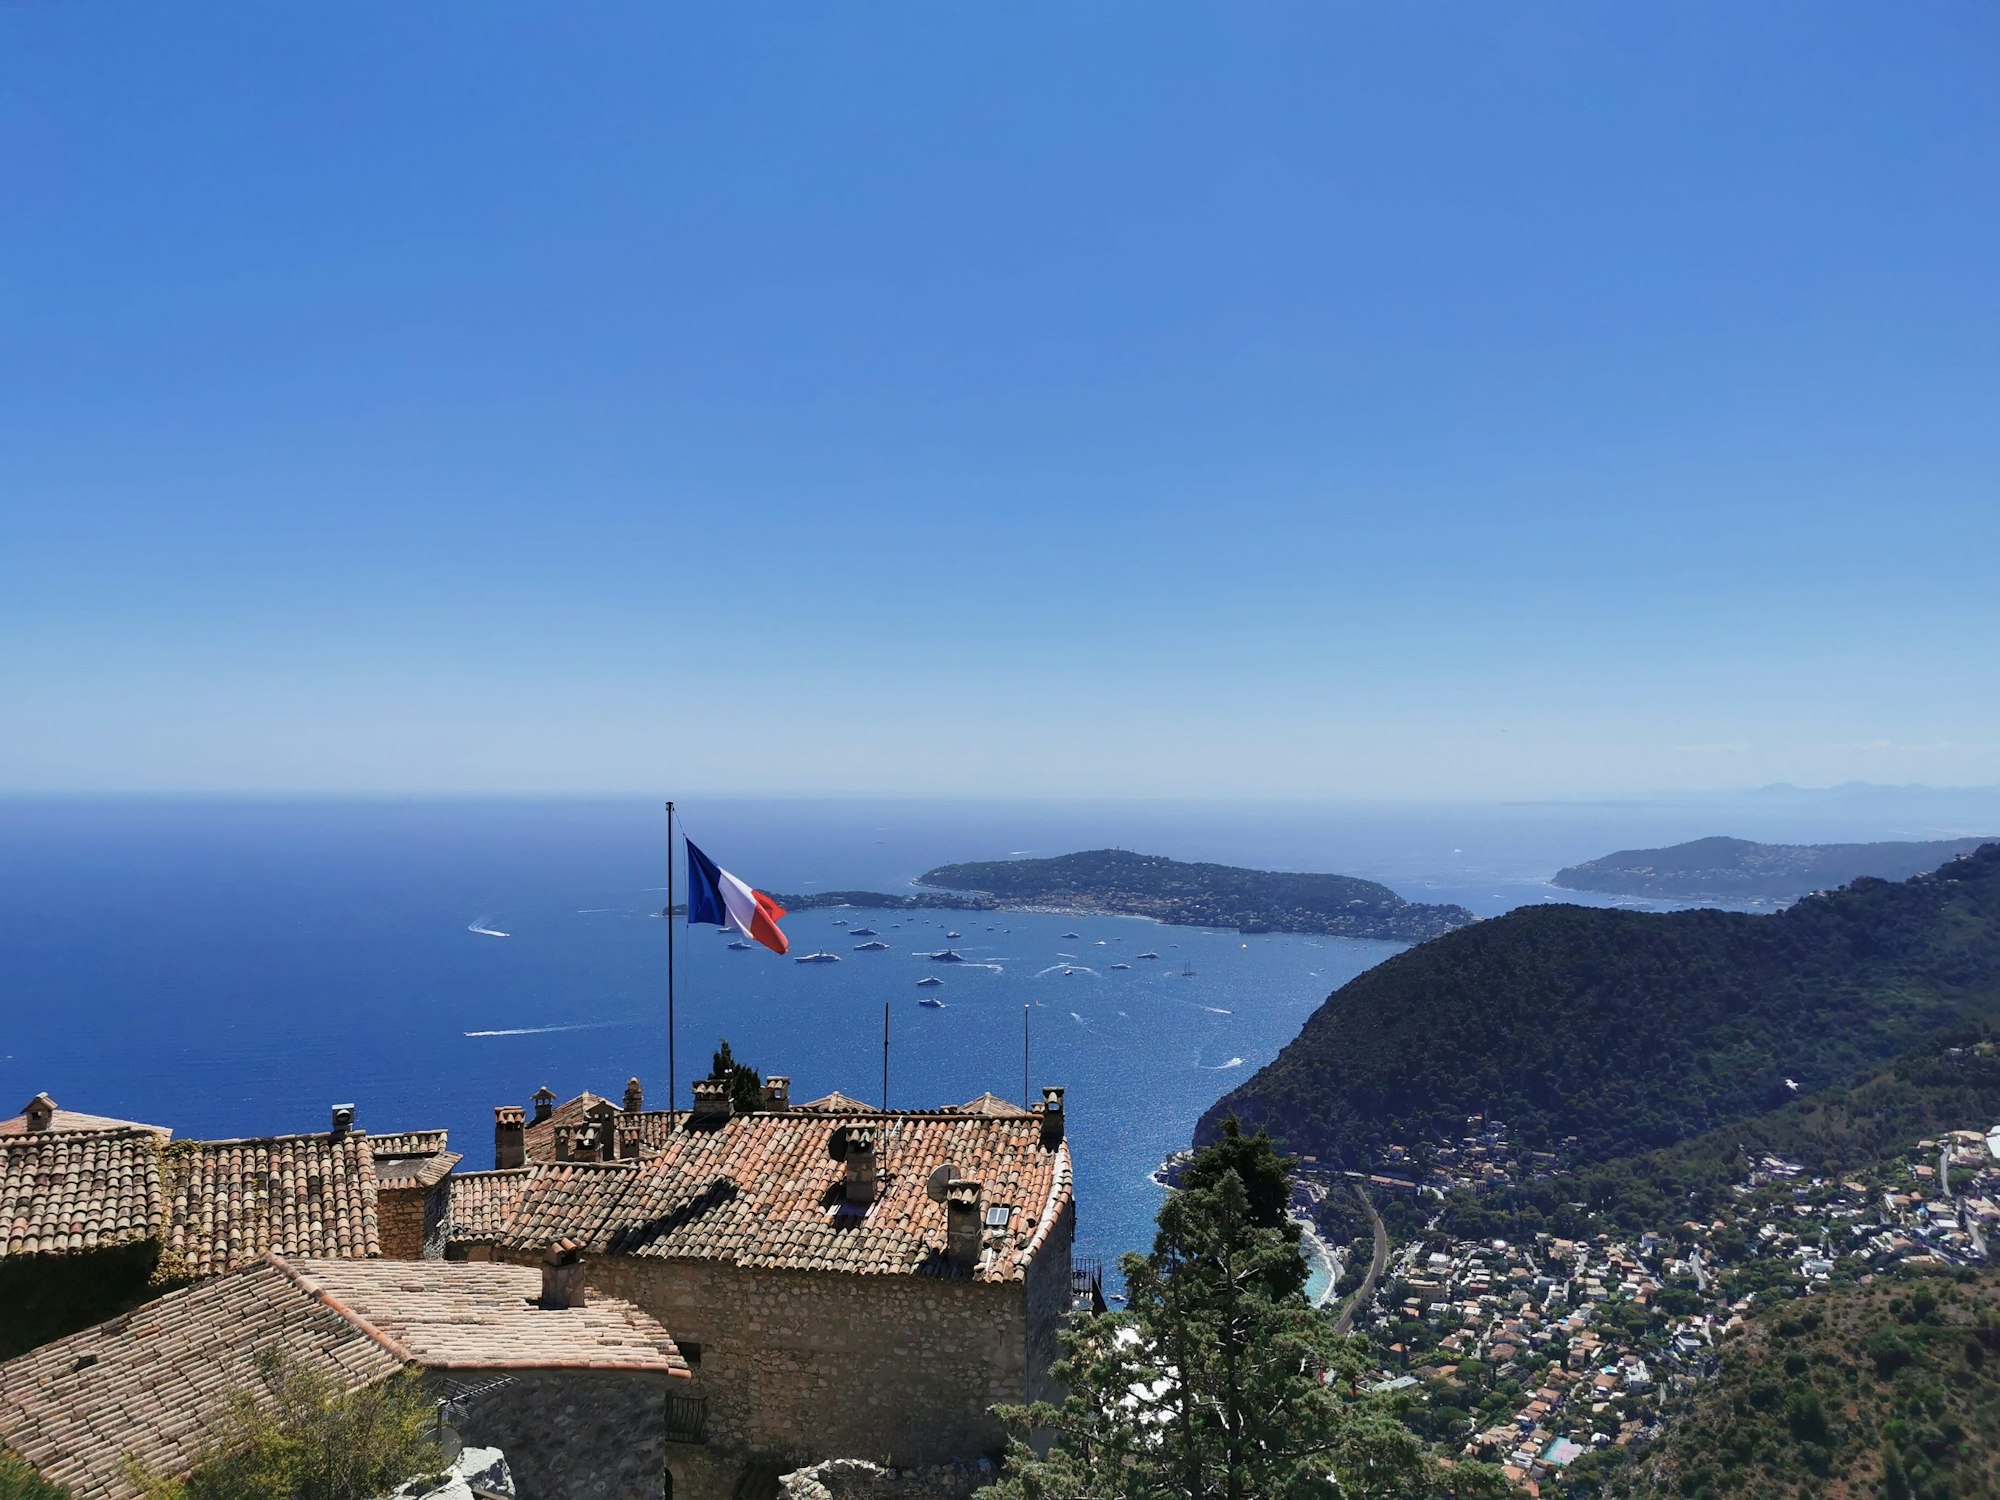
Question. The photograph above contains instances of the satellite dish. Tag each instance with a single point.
(937, 1184)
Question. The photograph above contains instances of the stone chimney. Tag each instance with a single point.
(510, 1143)
(711, 1101)
(562, 1276)
(1052, 1117)
(343, 1121)
(961, 1223)
(862, 1176)
(635, 1097)
(629, 1141)
(40, 1112)
(545, 1103)
(777, 1092)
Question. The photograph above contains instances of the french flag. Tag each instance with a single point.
(718, 898)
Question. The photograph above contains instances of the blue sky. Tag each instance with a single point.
(1330, 400)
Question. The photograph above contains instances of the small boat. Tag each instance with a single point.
(840, 921)
(874, 947)
(929, 1004)
(927, 981)
(950, 935)
(1149, 955)
(947, 956)
(817, 958)
(740, 946)
(1187, 972)
(1069, 973)
(862, 932)
(1121, 966)
(1070, 934)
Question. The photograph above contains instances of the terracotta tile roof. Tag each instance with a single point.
(838, 1103)
(990, 1103)
(146, 1384)
(481, 1202)
(71, 1119)
(62, 1192)
(412, 1158)
(539, 1138)
(761, 1190)
(231, 1201)
(460, 1315)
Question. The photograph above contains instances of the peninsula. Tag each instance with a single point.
(1116, 882)
(1725, 869)
(1120, 883)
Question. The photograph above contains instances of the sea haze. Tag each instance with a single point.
(235, 968)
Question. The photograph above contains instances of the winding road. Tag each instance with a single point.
(1377, 1264)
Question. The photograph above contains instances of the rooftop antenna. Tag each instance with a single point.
(1026, 1101)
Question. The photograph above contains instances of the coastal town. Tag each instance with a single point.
(1533, 1354)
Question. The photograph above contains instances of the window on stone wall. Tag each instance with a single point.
(692, 1354)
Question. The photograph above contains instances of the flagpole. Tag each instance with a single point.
(885, 1057)
(1026, 1011)
(673, 1081)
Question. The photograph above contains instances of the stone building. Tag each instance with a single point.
(574, 1388)
(96, 1214)
(844, 1281)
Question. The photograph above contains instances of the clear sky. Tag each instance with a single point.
(1342, 400)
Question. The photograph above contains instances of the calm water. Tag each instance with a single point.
(237, 968)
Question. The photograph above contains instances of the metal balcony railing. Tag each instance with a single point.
(687, 1419)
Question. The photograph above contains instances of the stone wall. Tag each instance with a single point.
(399, 1215)
(798, 1366)
(854, 1479)
(1048, 1303)
(573, 1435)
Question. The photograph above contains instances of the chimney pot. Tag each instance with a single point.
(635, 1097)
(777, 1092)
(544, 1102)
(343, 1120)
(40, 1112)
(962, 1230)
(863, 1178)
(510, 1144)
(562, 1276)
(1052, 1117)
(711, 1101)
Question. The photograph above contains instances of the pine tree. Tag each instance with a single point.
(746, 1088)
(1219, 1381)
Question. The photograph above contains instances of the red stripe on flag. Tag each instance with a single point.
(764, 925)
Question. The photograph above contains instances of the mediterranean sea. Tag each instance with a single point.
(235, 968)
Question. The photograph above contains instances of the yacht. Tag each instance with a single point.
(874, 947)
(862, 932)
(740, 946)
(817, 958)
(1121, 966)
(840, 921)
(947, 956)
(1149, 955)
(1071, 934)
(929, 1004)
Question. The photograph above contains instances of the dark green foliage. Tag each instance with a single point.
(1935, 1087)
(1876, 1393)
(1628, 1031)
(1722, 869)
(1219, 1381)
(1202, 894)
(1265, 1175)
(299, 1436)
(19, 1482)
(43, 1297)
(746, 1087)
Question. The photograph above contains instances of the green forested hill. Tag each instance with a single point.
(1723, 869)
(1171, 890)
(1631, 1031)
(1891, 1389)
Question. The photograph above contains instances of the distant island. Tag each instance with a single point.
(1725, 869)
(1121, 883)
(882, 901)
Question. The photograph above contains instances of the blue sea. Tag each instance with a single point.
(235, 968)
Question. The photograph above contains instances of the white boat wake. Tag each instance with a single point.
(1234, 1062)
(478, 925)
(1216, 1010)
(548, 1030)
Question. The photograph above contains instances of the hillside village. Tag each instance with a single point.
(1533, 1355)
